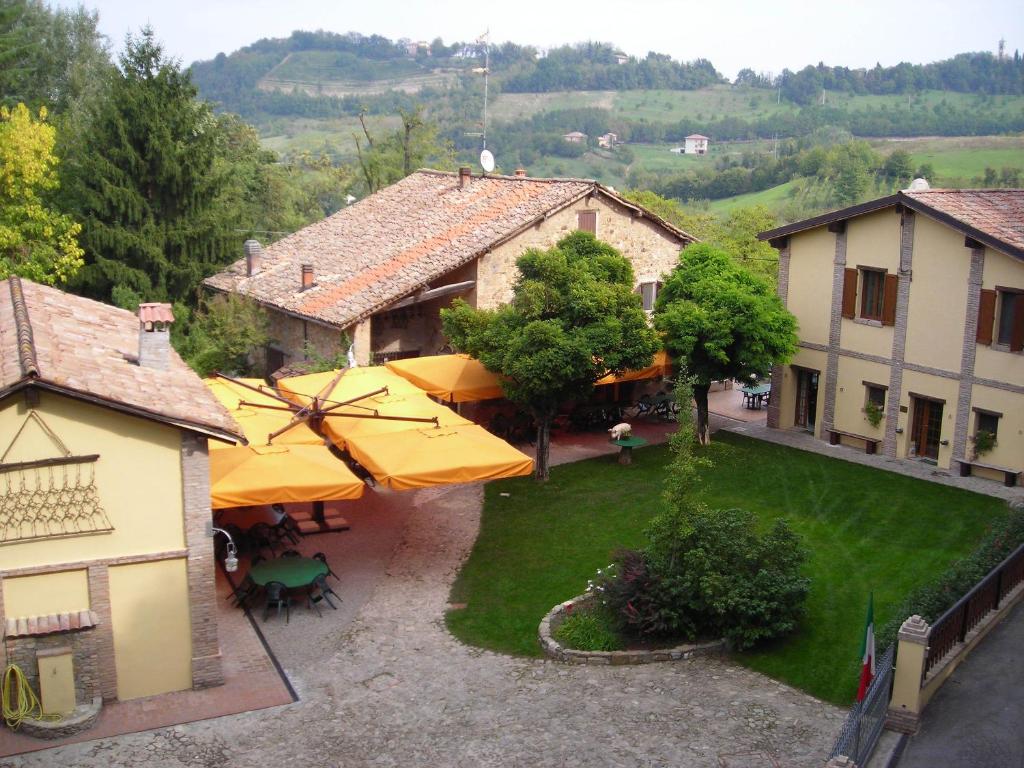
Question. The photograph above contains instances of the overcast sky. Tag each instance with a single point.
(764, 35)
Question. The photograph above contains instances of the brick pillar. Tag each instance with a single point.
(967, 355)
(775, 403)
(202, 594)
(99, 602)
(899, 334)
(834, 332)
(905, 705)
(3, 623)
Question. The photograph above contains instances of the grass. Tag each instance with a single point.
(867, 530)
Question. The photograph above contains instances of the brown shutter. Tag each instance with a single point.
(1017, 333)
(850, 293)
(587, 221)
(986, 316)
(889, 299)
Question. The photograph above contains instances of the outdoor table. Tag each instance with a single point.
(627, 444)
(754, 395)
(293, 572)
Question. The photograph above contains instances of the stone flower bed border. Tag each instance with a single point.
(559, 652)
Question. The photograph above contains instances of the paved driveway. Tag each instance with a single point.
(393, 688)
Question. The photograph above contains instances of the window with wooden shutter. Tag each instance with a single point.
(850, 293)
(587, 221)
(872, 293)
(1017, 331)
(986, 316)
(889, 300)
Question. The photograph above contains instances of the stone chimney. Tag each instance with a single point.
(520, 173)
(307, 276)
(253, 256)
(465, 173)
(155, 335)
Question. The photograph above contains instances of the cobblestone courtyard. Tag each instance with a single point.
(395, 689)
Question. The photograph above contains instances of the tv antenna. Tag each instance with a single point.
(486, 158)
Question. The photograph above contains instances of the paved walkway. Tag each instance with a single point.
(393, 688)
(806, 442)
(976, 720)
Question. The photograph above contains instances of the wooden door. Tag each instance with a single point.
(806, 398)
(926, 427)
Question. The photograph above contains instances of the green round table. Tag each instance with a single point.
(293, 572)
(627, 444)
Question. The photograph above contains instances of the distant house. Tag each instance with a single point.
(696, 144)
(607, 140)
(620, 57)
(380, 270)
(678, 150)
(413, 48)
(575, 137)
(108, 565)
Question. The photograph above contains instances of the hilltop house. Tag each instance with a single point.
(918, 348)
(106, 566)
(696, 144)
(575, 137)
(607, 140)
(379, 271)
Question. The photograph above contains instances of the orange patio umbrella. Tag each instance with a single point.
(660, 366)
(260, 420)
(251, 475)
(455, 378)
(423, 458)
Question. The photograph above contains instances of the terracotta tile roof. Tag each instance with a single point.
(396, 241)
(155, 313)
(90, 350)
(28, 626)
(994, 217)
(998, 213)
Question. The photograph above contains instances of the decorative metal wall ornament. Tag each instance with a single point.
(49, 498)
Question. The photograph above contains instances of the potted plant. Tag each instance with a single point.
(873, 412)
(984, 441)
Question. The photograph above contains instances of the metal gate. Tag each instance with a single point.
(864, 724)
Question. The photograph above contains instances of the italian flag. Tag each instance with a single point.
(867, 651)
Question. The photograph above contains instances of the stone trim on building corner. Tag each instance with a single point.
(899, 335)
(834, 332)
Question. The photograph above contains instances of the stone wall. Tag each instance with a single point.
(84, 659)
(290, 335)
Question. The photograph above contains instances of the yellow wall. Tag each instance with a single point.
(938, 296)
(851, 395)
(46, 594)
(938, 388)
(991, 362)
(874, 241)
(1009, 448)
(806, 358)
(152, 628)
(809, 296)
(138, 477)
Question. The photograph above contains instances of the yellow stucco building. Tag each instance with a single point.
(106, 560)
(911, 326)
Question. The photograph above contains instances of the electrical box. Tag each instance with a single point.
(56, 681)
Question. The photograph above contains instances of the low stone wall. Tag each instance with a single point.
(557, 651)
(82, 719)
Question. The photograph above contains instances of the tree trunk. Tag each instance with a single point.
(700, 395)
(541, 471)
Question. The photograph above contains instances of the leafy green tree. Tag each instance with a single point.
(899, 167)
(573, 318)
(36, 241)
(720, 321)
(144, 180)
(414, 145)
(225, 334)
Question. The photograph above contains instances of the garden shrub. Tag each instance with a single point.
(931, 600)
(588, 630)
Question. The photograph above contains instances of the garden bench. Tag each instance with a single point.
(870, 443)
(1010, 476)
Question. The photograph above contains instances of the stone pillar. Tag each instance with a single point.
(361, 338)
(834, 332)
(99, 602)
(967, 356)
(202, 593)
(778, 371)
(905, 705)
(899, 333)
(3, 623)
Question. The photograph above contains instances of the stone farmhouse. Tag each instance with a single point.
(377, 273)
(696, 144)
(106, 562)
(911, 307)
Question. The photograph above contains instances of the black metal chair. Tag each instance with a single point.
(246, 590)
(257, 558)
(262, 536)
(288, 529)
(320, 584)
(290, 553)
(277, 596)
(323, 559)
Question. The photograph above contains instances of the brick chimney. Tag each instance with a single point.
(520, 173)
(253, 256)
(307, 276)
(155, 335)
(465, 173)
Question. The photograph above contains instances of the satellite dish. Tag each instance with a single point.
(487, 161)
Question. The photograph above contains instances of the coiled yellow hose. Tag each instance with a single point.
(19, 700)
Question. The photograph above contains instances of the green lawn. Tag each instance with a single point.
(866, 530)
